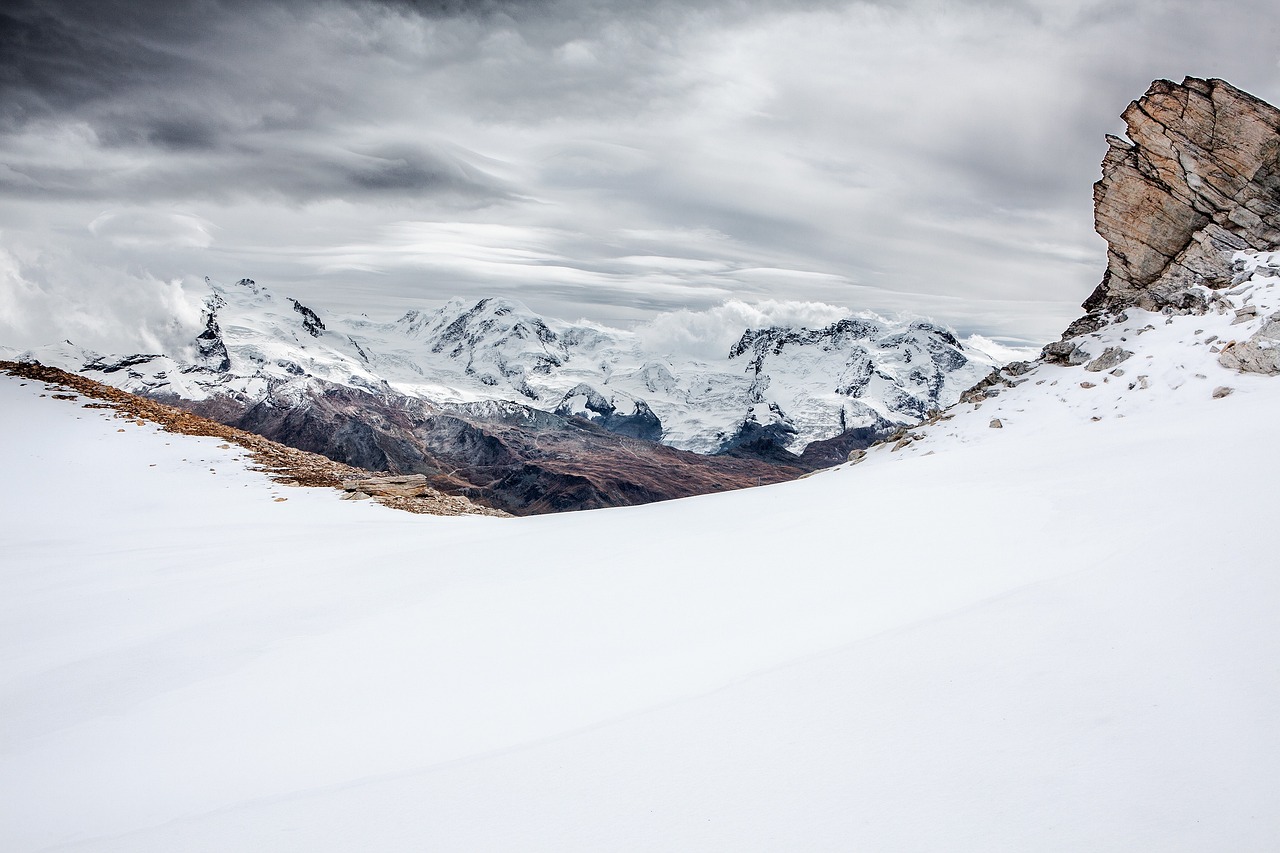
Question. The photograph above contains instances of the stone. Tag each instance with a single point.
(996, 423)
(1222, 391)
(1259, 354)
(399, 486)
(1087, 385)
(1064, 352)
(1195, 182)
(856, 456)
(1111, 357)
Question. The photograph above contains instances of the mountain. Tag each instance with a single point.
(528, 414)
(1044, 619)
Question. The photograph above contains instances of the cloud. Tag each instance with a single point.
(592, 158)
(710, 333)
(44, 300)
(151, 228)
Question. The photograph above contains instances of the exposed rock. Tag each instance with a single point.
(586, 402)
(1199, 181)
(1067, 352)
(212, 350)
(996, 423)
(502, 454)
(1111, 357)
(406, 486)
(1259, 354)
(311, 321)
(1222, 391)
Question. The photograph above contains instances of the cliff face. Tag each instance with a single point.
(1198, 180)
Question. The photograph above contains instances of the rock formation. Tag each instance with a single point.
(1196, 183)
(1200, 180)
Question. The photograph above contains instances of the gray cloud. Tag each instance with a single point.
(594, 158)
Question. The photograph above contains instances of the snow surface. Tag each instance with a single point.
(1058, 635)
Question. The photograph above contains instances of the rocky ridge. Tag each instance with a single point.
(286, 465)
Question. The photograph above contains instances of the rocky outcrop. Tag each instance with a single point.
(1259, 354)
(210, 348)
(584, 401)
(1198, 180)
(311, 321)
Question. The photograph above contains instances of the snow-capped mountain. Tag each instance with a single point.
(796, 385)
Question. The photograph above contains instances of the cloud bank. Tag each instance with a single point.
(602, 159)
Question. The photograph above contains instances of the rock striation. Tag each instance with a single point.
(1197, 180)
(1182, 202)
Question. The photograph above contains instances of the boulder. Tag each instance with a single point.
(1111, 357)
(1259, 354)
(402, 486)
(1197, 180)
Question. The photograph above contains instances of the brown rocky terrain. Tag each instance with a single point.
(286, 465)
(518, 459)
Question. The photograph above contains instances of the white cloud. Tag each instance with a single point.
(45, 299)
(708, 334)
(141, 228)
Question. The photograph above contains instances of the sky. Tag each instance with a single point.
(602, 160)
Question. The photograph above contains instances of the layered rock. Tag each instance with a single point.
(1197, 181)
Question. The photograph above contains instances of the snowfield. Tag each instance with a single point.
(1057, 635)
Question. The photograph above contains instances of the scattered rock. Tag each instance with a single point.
(856, 456)
(1064, 352)
(1259, 354)
(1222, 391)
(1111, 356)
(1245, 314)
(996, 423)
(1087, 385)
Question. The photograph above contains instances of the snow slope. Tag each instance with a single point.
(1057, 635)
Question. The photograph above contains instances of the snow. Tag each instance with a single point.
(1059, 635)
(498, 350)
